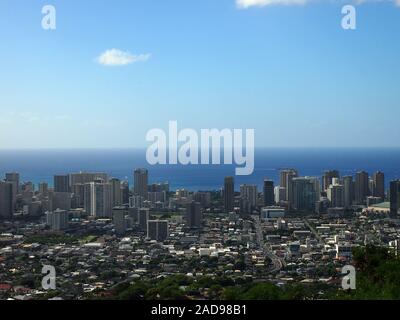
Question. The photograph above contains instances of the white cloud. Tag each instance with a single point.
(29, 116)
(62, 117)
(116, 57)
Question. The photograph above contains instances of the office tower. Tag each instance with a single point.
(361, 187)
(159, 187)
(78, 181)
(379, 185)
(35, 209)
(57, 220)
(286, 177)
(136, 202)
(249, 193)
(204, 198)
(394, 198)
(79, 194)
(13, 178)
(268, 193)
(141, 178)
(229, 194)
(157, 230)
(371, 187)
(143, 217)
(182, 193)
(98, 199)
(348, 186)
(6, 199)
(194, 215)
(125, 192)
(116, 192)
(335, 194)
(245, 206)
(61, 183)
(119, 214)
(86, 177)
(157, 196)
(305, 193)
(280, 194)
(60, 200)
(328, 177)
(43, 188)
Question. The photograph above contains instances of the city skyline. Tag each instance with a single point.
(205, 64)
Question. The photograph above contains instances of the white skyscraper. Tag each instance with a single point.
(98, 199)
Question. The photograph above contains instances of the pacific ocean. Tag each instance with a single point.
(40, 165)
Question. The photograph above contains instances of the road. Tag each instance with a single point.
(315, 233)
(277, 263)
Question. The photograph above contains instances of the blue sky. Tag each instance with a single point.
(288, 71)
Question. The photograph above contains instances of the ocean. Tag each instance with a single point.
(40, 165)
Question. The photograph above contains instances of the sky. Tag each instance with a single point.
(113, 70)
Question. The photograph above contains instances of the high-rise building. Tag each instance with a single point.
(204, 198)
(125, 192)
(87, 177)
(394, 198)
(194, 215)
(78, 181)
(98, 199)
(136, 202)
(157, 196)
(43, 188)
(61, 183)
(79, 194)
(268, 193)
(361, 187)
(141, 178)
(249, 193)
(6, 199)
(329, 175)
(379, 185)
(13, 178)
(305, 193)
(116, 192)
(348, 186)
(336, 194)
(280, 194)
(157, 230)
(143, 217)
(119, 214)
(159, 187)
(286, 177)
(57, 220)
(229, 194)
(60, 200)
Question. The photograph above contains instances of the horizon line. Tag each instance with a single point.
(144, 148)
